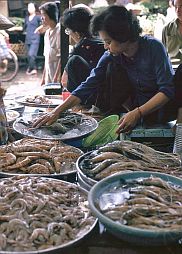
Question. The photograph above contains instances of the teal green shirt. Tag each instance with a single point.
(172, 40)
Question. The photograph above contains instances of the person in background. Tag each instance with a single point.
(4, 52)
(170, 13)
(140, 78)
(42, 28)
(172, 35)
(86, 51)
(32, 39)
(50, 13)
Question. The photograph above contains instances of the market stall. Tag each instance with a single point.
(118, 196)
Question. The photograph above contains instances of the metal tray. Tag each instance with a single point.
(10, 104)
(67, 175)
(55, 101)
(65, 246)
(12, 115)
(81, 130)
(84, 178)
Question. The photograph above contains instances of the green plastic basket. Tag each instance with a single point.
(105, 132)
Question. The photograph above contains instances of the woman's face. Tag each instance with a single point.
(31, 8)
(45, 18)
(114, 47)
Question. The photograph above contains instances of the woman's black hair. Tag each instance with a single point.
(51, 10)
(78, 20)
(119, 23)
(58, 3)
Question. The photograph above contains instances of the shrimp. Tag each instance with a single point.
(39, 234)
(148, 193)
(47, 164)
(53, 227)
(44, 155)
(20, 203)
(57, 164)
(145, 200)
(7, 159)
(21, 164)
(17, 224)
(104, 164)
(27, 148)
(156, 181)
(64, 149)
(38, 169)
(106, 155)
(3, 241)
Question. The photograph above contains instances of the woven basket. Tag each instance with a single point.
(18, 48)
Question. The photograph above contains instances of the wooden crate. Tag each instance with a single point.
(18, 48)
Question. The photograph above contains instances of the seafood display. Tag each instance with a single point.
(45, 101)
(32, 156)
(68, 126)
(38, 99)
(40, 213)
(143, 208)
(12, 105)
(148, 203)
(122, 156)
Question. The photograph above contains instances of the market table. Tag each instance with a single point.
(105, 243)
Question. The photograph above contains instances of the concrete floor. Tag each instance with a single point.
(23, 84)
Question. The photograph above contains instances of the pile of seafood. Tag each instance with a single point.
(148, 203)
(34, 156)
(38, 99)
(128, 156)
(61, 125)
(40, 213)
(68, 125)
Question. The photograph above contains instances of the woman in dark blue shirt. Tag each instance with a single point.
(32, 39)
(86, 51)
(145, 87)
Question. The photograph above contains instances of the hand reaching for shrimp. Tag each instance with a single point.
(128, 121)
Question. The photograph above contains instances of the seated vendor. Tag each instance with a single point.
(86, 51)
(134, 75)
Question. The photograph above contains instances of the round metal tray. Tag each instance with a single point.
(55, 100)
(81, 130)
(68, 175)
(12, 115)
(62, 247)
(89, 181)
(82, 183)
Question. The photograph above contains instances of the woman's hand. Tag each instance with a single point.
(46, 119)
(128, 121)
(51, 117)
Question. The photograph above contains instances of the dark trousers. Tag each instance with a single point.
(115, 90)
(78, 70)
(32, 50)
